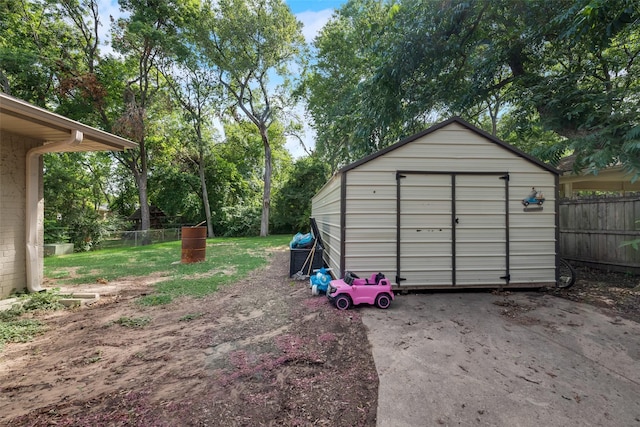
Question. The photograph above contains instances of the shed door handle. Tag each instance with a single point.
(457, 221)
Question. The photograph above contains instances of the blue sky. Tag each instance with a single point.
(298, 6)
(312, 13)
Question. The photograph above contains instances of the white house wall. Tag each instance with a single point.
(13, 151)
(371, 206)
(326, 211)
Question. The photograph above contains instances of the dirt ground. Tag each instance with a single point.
(262, 351)
(616, 293)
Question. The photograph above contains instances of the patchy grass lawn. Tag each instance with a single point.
(227, 260)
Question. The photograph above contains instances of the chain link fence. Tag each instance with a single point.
(120, 239)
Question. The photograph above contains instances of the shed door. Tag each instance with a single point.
(452, 229)
(480, 242)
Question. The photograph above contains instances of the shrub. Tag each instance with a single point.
(241, 220)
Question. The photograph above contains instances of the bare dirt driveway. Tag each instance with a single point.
(504, 359)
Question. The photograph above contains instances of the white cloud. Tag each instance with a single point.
(313, 22)
(107, 9)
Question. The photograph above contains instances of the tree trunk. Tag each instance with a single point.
(145, 220)
(266, 198)
(140, 177)
(205, 195)
(4, 82)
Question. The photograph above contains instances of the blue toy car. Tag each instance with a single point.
(319, 282)
(534, 198)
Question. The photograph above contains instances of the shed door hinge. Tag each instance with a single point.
(399, 175)
(507, 278)
(399, 279)
(505, 177)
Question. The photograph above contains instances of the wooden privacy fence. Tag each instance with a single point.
(593, 230)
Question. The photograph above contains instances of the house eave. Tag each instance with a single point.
(21, 118)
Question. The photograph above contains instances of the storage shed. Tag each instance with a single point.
(448, 207)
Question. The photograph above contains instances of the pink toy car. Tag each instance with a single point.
(353, 290)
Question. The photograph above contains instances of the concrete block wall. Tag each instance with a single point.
(13, 150)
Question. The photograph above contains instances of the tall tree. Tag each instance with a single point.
(569, 66)
(348, 49)
(151, 29)
(292, 201)
(195, 90)
(253, 44)
(35, 43)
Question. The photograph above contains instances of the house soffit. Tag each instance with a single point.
(21, 118)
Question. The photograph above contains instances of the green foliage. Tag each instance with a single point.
(176, 189)
(566, 72)
(133, 322)
(123, 197)
(634, 243)
(54, 233)
(241, 220)
(233, 174)
(14, 329)
(248, 42)
(86, 232)
(11, 314)
(47, 300)
(34, 45)
(161, 91)
(292, 202)
(349, 48)
(153, 300)
(74, 191)
(22, 330)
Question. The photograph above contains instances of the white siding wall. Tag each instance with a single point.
(370, 231)
(325, 208)
(13, 151)
(370, 222)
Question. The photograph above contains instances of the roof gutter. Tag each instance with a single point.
(34, 279)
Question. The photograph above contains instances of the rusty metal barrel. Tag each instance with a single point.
(194, 244)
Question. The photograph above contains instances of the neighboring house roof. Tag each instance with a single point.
(565, 165)
(21, 118)
(613, 178)
(154, 212)
(441, 125)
